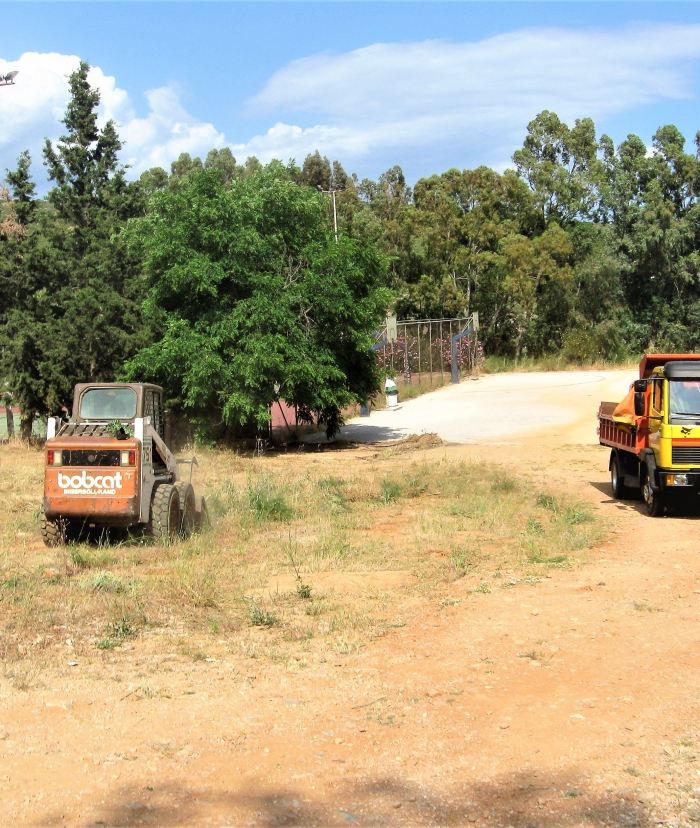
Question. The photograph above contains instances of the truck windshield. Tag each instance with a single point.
(685, 398)
(108, 404)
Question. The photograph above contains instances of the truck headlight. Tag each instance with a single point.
(677, 480)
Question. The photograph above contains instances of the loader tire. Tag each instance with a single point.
(203, 521)
(53, 531)
(188, 518)
(164, 522)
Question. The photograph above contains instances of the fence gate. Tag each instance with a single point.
(431, 350)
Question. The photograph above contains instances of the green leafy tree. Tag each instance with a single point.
(651, 201)
(534, 268)
(257, 300)
(459, 219)
(224, 161)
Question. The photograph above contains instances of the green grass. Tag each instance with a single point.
(103, 582)
(83, 557)
(268, 501)
(389, 490)
(553, 362)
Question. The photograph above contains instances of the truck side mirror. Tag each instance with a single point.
(639, 404)
(641, 385)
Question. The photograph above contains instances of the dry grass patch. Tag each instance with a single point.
(332, 527)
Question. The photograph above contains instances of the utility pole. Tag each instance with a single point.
(8, 79)
(332, 193)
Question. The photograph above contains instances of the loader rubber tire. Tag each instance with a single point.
(53, 531)
(164, 522)
(188, 518)
(202, 519)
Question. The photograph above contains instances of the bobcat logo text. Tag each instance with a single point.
(86, 484)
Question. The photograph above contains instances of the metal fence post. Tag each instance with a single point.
(455, 340)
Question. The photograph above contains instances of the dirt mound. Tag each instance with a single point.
(418, 442)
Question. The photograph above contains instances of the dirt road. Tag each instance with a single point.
(570, 700)
(499, 408)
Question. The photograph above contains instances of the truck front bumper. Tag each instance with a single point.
(675, 480)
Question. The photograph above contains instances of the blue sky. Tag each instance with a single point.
(426, 85)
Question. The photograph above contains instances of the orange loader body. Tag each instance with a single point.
(97, 494)
(110, 467)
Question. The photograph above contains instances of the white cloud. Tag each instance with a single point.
(473, 97)
(167, 131)
(32, 109)
(462, 103)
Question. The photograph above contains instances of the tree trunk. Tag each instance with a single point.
(10, 420)
(25, 428)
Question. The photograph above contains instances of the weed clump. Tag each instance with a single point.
(84, 558)
(223, 499)
(389, 490)
(503, 483)
(117, 631)
(574, 516)
(103, 582)
(260, 617)
(268, 502)
(333, 490)
(303, 589)
(462, 562)
(548, 502)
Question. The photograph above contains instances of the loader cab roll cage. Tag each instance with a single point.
(106, 401)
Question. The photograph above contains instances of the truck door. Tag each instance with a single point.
(656, 413)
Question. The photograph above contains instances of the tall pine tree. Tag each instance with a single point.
(75, 314)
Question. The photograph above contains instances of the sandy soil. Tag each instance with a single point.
(566, 701)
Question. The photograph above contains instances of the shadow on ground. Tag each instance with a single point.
(525, 800)
(359, 433)
(688, 507)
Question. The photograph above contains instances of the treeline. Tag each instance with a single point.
(223, 281)
(583, 246)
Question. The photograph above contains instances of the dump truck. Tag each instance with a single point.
(109, 468)
(654, 434)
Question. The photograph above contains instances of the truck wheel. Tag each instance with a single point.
(619, 490)
(53, 531)
(653, 498)
(187, 508)
(164, 523)
(203, 522)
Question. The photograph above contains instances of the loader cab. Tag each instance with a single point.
(108, 401)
